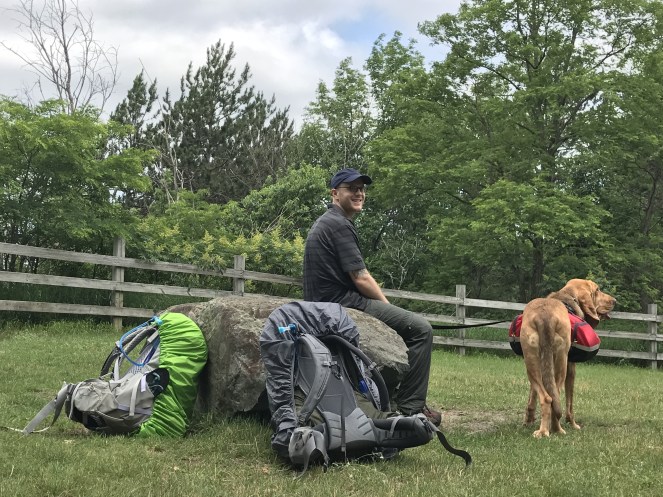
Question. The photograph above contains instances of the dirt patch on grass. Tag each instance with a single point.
(478, 421)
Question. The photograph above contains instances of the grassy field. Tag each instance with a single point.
(619, 451)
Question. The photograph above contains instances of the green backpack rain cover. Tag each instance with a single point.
(183, 352)
(155, 396)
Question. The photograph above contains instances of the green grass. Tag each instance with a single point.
(618, 452)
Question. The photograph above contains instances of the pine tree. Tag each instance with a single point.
(139, 111)
(224, 136)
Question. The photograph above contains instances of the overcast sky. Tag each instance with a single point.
(290, 45)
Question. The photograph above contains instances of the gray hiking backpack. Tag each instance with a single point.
(327, 398)
(120, 400)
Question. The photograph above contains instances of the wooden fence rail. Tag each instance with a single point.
(117, 287)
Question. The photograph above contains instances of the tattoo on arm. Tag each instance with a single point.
(359, 273)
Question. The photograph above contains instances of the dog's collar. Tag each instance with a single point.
(570, 309)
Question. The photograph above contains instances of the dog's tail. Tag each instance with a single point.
(546, 351)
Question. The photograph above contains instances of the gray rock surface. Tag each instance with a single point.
(233, 381)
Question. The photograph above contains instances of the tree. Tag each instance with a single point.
(510, 106)
(396, 240)
(66, 56)
(59, 186)
(268, 226)
(221, 134)
(290, 204)
(398, 80)
(625, 171)
(139, 110)
(338, 123)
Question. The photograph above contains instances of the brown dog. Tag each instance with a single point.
(545, 337)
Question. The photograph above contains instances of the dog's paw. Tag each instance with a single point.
(572, 422)
(541, 433)
(557, 428)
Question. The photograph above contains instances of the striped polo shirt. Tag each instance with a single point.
(331, 252)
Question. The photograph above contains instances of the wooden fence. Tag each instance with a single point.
(239, 274)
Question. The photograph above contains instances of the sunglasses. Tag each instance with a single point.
(354, 188)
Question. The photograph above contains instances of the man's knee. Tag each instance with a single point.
(420, 330)
(422, 324)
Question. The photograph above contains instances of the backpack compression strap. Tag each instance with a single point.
(54, 406)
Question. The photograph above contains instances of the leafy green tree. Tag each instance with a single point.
(338, 123)
(509, 109)
(394, 233)
(59, 187)
(291, 204)
(625, 172)
(398, 80)
(268, 226)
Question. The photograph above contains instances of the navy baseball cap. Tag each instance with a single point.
(348, 176)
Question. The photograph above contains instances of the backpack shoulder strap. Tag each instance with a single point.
(129, 341)
(312, 348)
(54, 406)
(311, 371)
(371, 367)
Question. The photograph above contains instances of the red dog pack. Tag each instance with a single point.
(585, 342)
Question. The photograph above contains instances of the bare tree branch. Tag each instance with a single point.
(65, 55)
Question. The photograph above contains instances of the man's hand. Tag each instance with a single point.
(367, 285)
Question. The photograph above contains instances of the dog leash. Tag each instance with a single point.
(458, 326)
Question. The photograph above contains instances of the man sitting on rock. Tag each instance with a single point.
(334, 271)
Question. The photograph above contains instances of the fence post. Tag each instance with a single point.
(238, 282)
(460, 314)
(653, 330)
(117, 298)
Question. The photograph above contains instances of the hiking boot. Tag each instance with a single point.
(432, 415)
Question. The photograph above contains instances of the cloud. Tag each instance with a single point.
(289, 45)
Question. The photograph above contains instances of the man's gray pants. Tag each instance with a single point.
(417, 334)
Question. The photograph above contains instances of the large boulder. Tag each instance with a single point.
(233, 381)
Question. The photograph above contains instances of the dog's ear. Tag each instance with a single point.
(585, 293)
